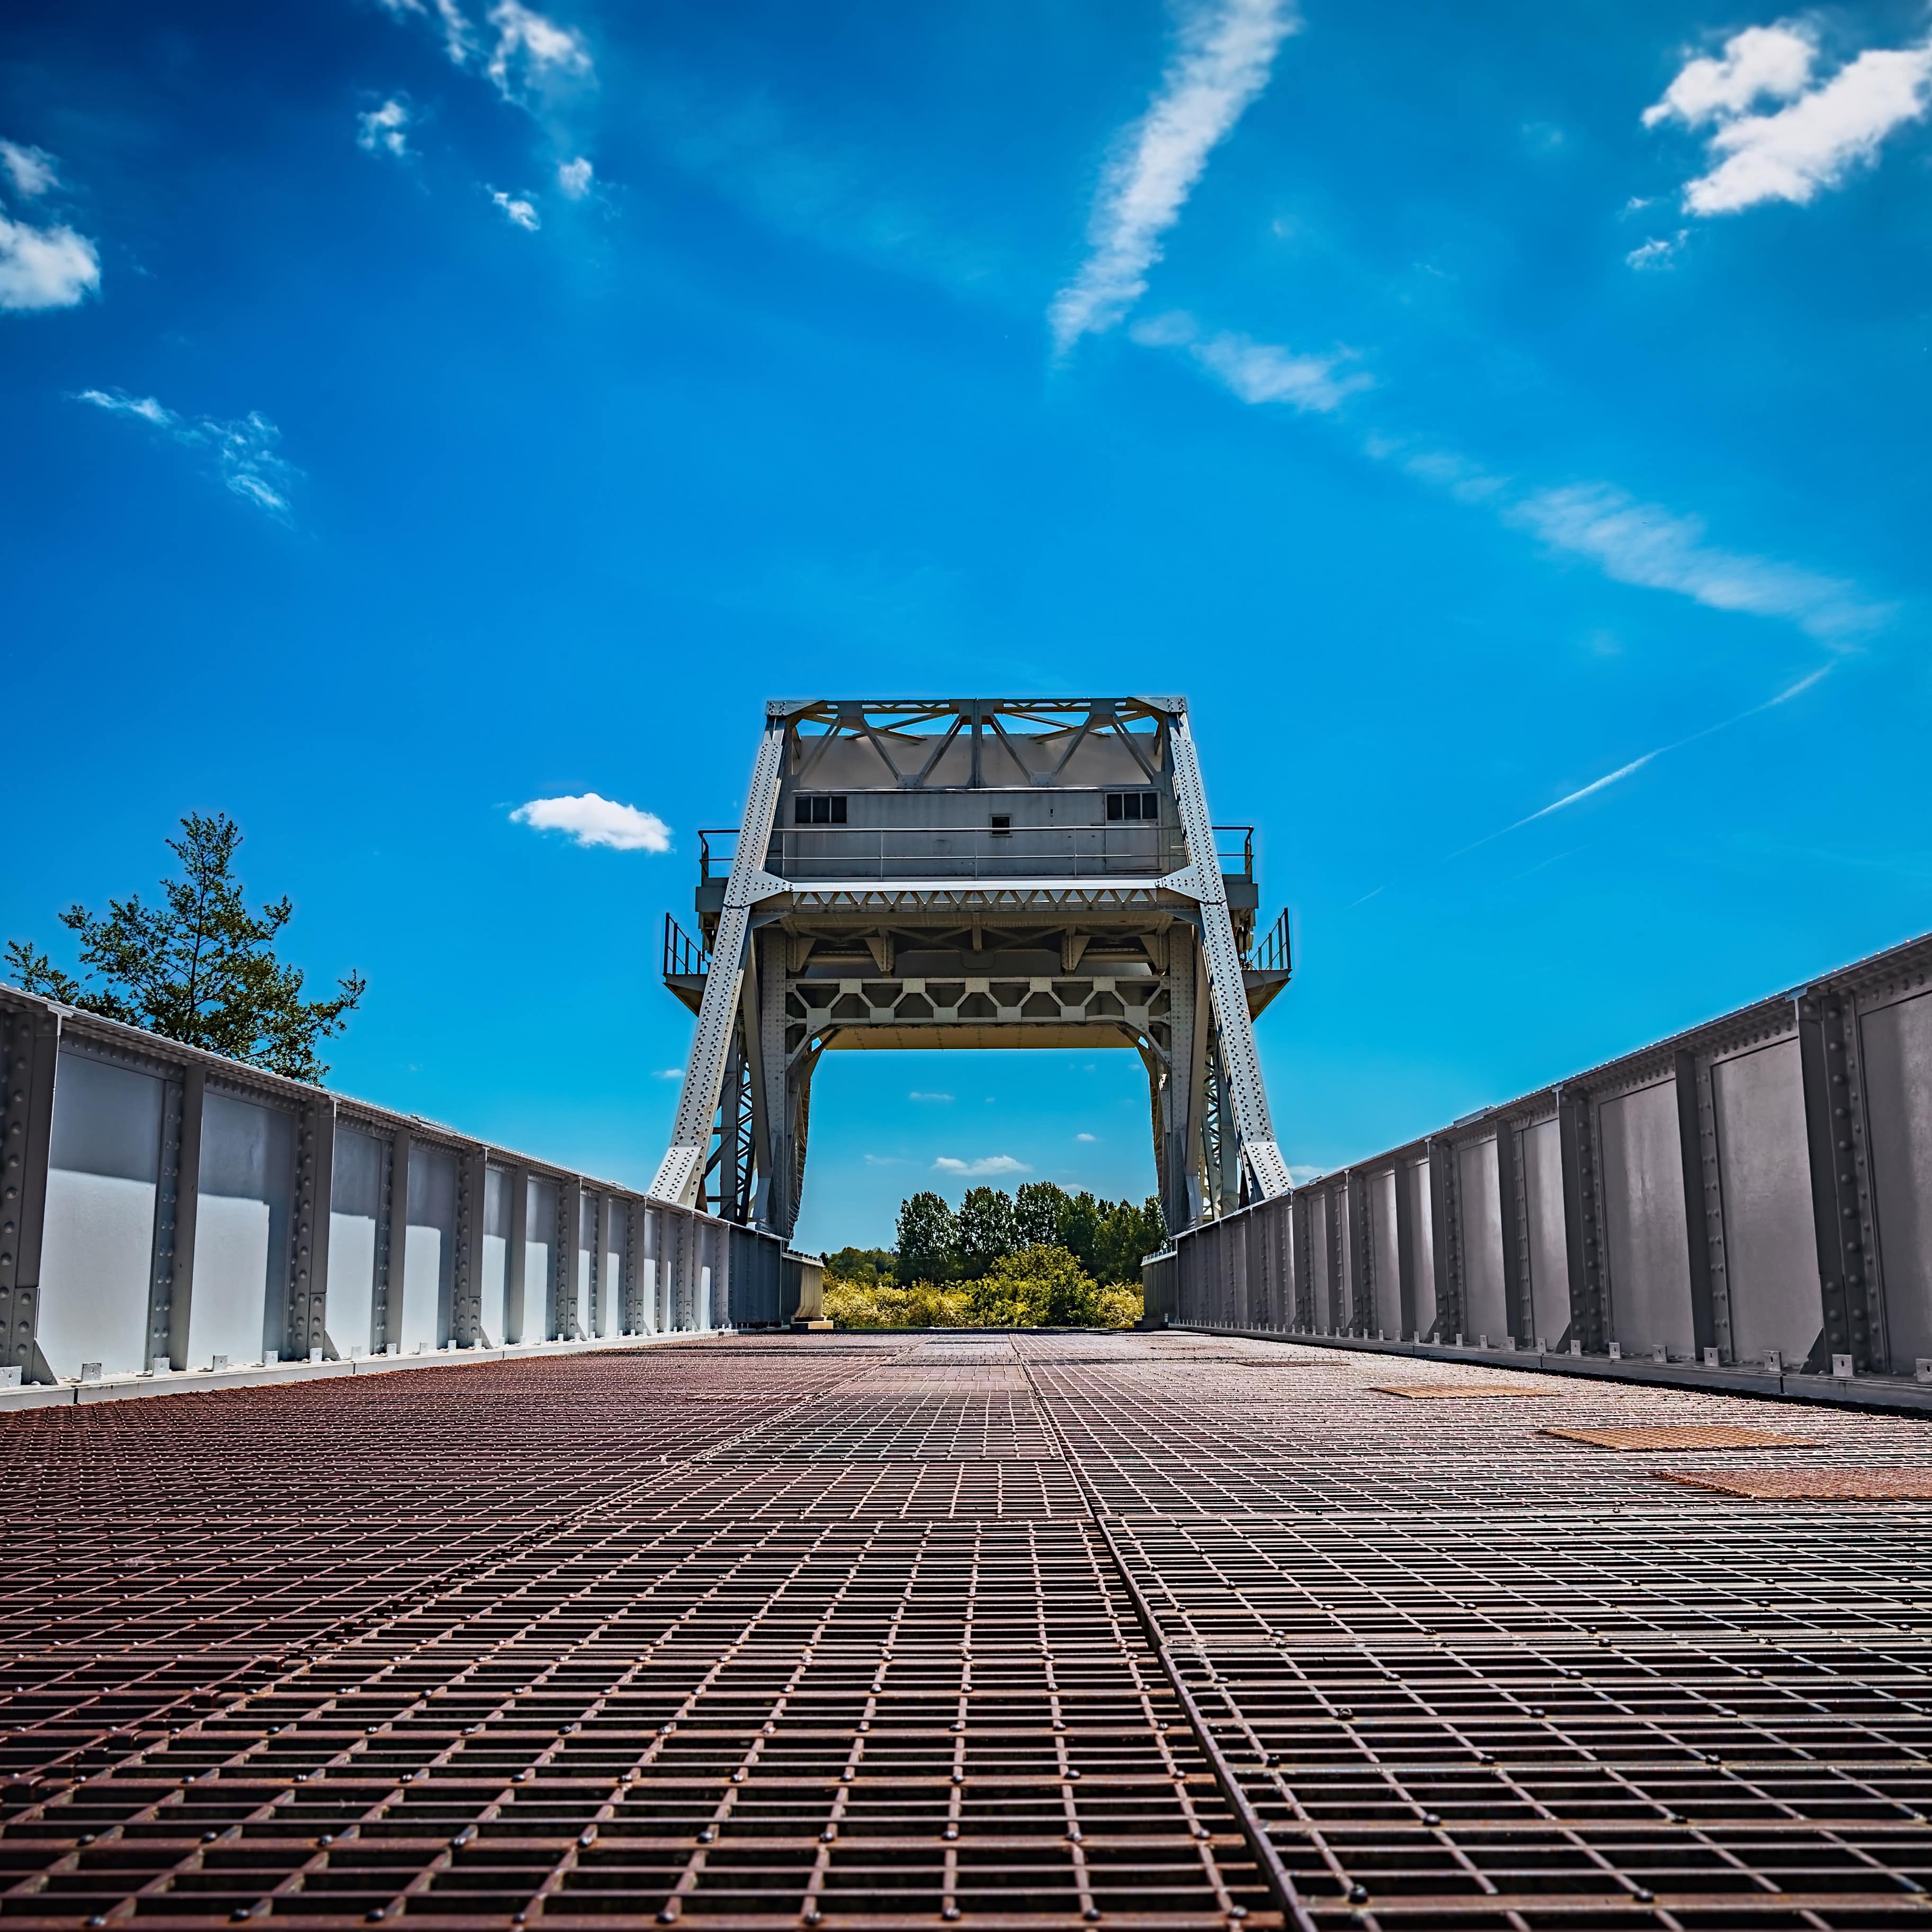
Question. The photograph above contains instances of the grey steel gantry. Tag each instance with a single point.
(973, 872)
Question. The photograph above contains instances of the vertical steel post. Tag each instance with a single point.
(1851, 1296)
(188, 1215)
(1519, 1310)
(308, 1237)
(392, 1244)
(466, 1299)
(1405, 1245)
(516, 1256)
(1702, 1210)
(1583, 1230)
(32, 1040)
(1445, 1222)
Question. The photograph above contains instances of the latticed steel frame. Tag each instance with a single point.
(740, 1134)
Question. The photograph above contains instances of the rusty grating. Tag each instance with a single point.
(771, 1635)
(1457, 1391)
(1696, 1436)
(1870, 1486)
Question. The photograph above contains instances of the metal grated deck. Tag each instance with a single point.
(895, 1632)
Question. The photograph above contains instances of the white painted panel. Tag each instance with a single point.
(1771, 1242)
(1548, 1241)
(540, 1226)
(1422, 1226)
(242, 1237)
(97, 1251)
(429, 1252)
(1485, 1295)
(1643, 1204)
(1388, 1272)
(1897, 1043)
(355, 1194)
(493, 1274)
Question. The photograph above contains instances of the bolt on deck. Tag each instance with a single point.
(899, 1631)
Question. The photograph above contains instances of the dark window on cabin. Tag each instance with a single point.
(818, 809)
(1003, 821)
(1133, 804)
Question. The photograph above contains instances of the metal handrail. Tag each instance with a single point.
(1274, 954)
(1015, 848)
(683, 957)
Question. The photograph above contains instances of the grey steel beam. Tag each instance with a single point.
(1226, 987)
(1405, 1247)
(466, 1297)
(1445, 1222)
(392, 1243)
(308, 1235)
(1697, 1144)
(167, 1226)
(1851, 1301)
(32, 1041)
(680, 1174)
(1582, 1220)
(1519, 1311)
(188, 1217)
(516, 1256)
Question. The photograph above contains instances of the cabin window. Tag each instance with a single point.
(1133, 804)
(1003, 821)
(818, 807)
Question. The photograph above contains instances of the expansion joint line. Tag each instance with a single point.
(1267, 1860)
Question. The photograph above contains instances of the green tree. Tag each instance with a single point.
(1080, 1227)
(1040, 1285)
(1126, 1233)
(868, 1266)
(928, 1240)
(200, 967)
(985, 1229)
(1039, 1209)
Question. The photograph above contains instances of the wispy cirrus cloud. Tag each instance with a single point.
(984, 1168)
(1639, 543)
(531, 54)
(1809, 142)
(1632, 541)
(243, 452)
(592, 820)
(1225, 54)
(1256, 372)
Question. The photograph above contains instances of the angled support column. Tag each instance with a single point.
(32, 1056)
(681, 1174)
(1202, 880)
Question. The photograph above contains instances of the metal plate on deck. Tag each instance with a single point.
(1445, 1391)
(1821, 1486)
(1713, 1435)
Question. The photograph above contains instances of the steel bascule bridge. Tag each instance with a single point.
(1522, 1529)
(974, 873)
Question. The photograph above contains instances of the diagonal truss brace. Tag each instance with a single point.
(1246, 1097)
(681, 1172)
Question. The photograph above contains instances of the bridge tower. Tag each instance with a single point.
(973, 872)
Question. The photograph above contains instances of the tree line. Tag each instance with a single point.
(938, 1245)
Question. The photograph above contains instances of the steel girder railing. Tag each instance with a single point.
(164, 1210)
(1747, 1201)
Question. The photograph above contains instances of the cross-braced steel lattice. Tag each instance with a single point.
(974, 873)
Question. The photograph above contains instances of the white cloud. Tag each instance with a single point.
(928, 1097)
(380, 130)
(593, 820)
(1257, 372)
(574, 178)
(1642, 543)
(668, 1073)
(1086, 1137)
(1227, 49)
(1813, 141)
(1657, 252)
(986, 1166)
(522, 213)
(1302, 1176)
(1775, 61)
(532, 48)
(243, 452)
(31, 169)
(45, 268)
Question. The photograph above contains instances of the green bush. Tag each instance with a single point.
(1041, 1286)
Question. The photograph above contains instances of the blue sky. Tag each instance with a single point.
(414, 410)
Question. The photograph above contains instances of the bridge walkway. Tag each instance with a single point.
(1155, 1630)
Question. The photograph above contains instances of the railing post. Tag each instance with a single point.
(1446, 1229)
(1703, 1208)
(392, 1245)
(307, 1327)
(32, 1042)
(1582, 1224)
(516, 1254)
(466, 1298)
(1518, 1310)
(563, 1258)
(1850, 1295)
(1405, 1246)
(1361, 1255)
